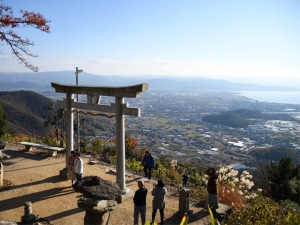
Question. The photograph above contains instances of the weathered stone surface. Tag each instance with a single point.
(28, 217)
(96, 219)
(184, 201)
(98, 189)
(104, 206)
(125, 196)
(27, 208)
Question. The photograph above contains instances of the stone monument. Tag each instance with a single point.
(28, 215)
(100, 197)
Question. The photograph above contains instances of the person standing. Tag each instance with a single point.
(149, 164)
(71, 174)
(212, 189)
(139, 201)
(159, 200)
(78, 166)
(185, 177)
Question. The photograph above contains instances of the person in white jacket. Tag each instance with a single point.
(78, 166)
(159, 200)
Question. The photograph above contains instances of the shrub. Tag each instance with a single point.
(292, 219)
(173, 176)
(134, 166)
(231, 196)
(7, 137)
(47, 140)
(258, 210)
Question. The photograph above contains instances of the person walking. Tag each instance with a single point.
(159, 200)
(149, 164)
(139, 201)
(71, 174)
(185, 177)
(212, 189)
(78, 167)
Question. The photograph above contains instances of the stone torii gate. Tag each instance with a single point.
(119, 109)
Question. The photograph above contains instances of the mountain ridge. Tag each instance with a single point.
(44, 79)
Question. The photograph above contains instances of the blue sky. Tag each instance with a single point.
(241, 40)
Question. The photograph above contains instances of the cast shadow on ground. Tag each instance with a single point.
(24, 168)
(22, 153)
(177, 217)
(134, 180)
(18, 201)
(53, 179)
(64, 214)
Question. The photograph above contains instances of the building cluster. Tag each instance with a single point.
(173, 126)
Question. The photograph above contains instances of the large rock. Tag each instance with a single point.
(97, 189)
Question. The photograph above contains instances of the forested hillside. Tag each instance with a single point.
(25, 111)
(276, 153)
(256, 114)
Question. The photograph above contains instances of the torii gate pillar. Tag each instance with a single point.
(120, 144)
(70, 126)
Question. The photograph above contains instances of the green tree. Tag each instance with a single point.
(3, 120)
(56, 120)
(4, 128)
(284, 179)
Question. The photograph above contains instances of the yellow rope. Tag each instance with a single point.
(94, 113)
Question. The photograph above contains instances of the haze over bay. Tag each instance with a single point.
(292, 97)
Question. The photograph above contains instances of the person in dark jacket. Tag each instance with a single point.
(159, 200)
(149, 164)
(212, 188)
(185, 177)
(139, 201)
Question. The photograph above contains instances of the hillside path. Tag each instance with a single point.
(35, 178)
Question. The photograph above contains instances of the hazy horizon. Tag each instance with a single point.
(247, 41)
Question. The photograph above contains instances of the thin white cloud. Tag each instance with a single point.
(5, 57)
(158, 63)
(109, 66)
(66, 62)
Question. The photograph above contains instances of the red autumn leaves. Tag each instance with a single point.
(17, 43)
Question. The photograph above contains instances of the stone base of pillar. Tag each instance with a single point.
(123, 197)
(64, 173)
(96, 214)
(96, 218)
(29, 218)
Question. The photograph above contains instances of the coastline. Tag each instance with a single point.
(291, 97)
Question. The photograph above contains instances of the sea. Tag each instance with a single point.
(287, 97)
